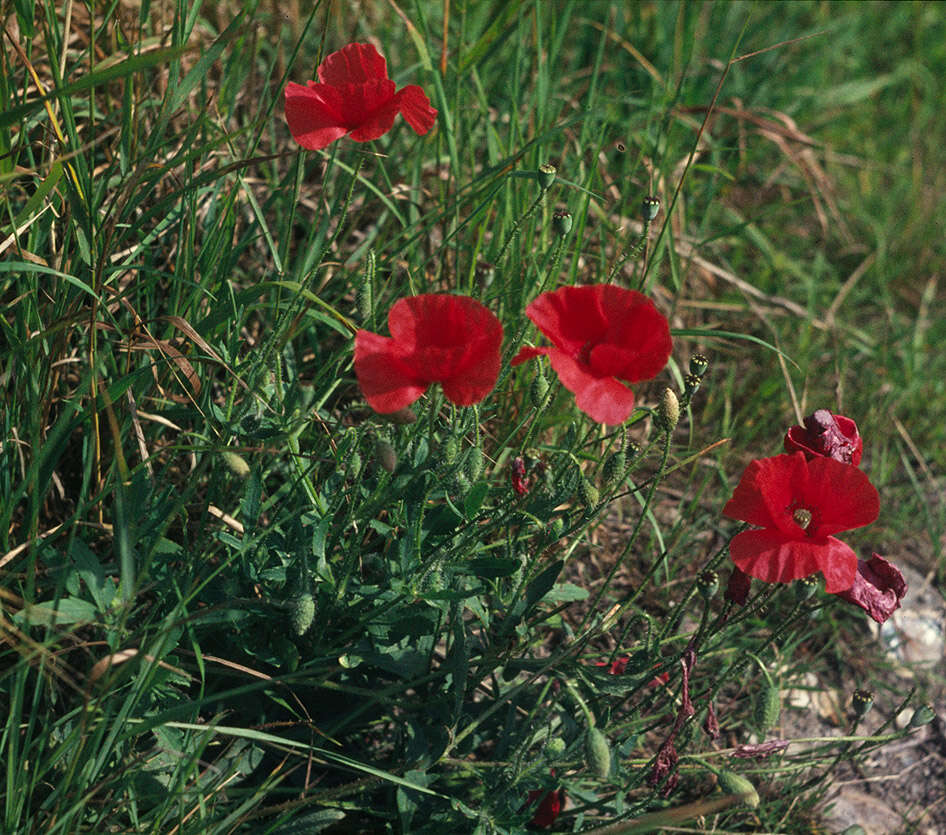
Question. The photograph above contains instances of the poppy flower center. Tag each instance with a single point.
(584, 353)
(802, 517)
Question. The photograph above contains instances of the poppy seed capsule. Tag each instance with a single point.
(698, 364)
(546, 175)
(354, 464)
(707, 583)
(562, 222)
(669, 410)
(806, 587)
(649, 208)
(802, 517)
(597, 752)
(691, 384)
(861, 702)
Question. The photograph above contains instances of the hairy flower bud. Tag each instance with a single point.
(668, 410)
(588, 493)
(539, 391)
(302, 613)
(387, 456)
(236, 464)
(732, 783)
(597, 753)
(614, 467)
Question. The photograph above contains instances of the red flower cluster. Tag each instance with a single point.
(353, 96)
(435, 338)
(601, 335)
(798, 501)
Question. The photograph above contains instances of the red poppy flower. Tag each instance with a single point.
(799, 504)
(547, 810)
(878, 588)
(435, 338)
(601, 335)
(356, 97)
(825, 434)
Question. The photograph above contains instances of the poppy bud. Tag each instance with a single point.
(698, 365)
(707, 584)
(473, 464)
(614, 467)
(769, 706)
(649, 208)
(402, 417)
(668, 410)
(539, 390)
(366, 291)
(354, 464)
(555, 748)
(597, 753)
(861, 702)
(236, 464)
(732, 783)
(589, 494)
(923, 715)
(450, 450)
(557, 527)
(302, 613)
(387, 456)
(562, 222)
(546, 175)
(461, 483)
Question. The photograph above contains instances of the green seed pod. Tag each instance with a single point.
(588, 493)
(597, 753)
(923, 715)
(707, 584)
(302, 613)
(555, 747)
(539, 391)
(387, 456)
(546, 175)
(861, 702)
(557, 527)
(668, 410)
(769, 706)
(562, 222)
(698, 365)
(691, 384)
(805, 588)
(614, 467)
(732, 783)
(236, 464)
(633, 450)
(451, 448)
(473, 464)
(649, 208)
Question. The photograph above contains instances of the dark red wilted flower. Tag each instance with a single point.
(601, 335)
(547, 810)
(799, 504)
(435, 338)
(355, 96)
(878, 588)
(828, 435)
(760, 750)
(517, 474)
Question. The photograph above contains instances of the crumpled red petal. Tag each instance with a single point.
(314, 114)
(387, 380)
(878, 588)
(603, 399)
(415, 107)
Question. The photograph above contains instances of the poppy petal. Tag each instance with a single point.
(353, 64)
(603, 399)
(842, 494)
(386, 379)
(527, 353)
(415, 107)
(764, 493)
(370, 109)
(314, 114)
(768, 556)
(570, 317)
